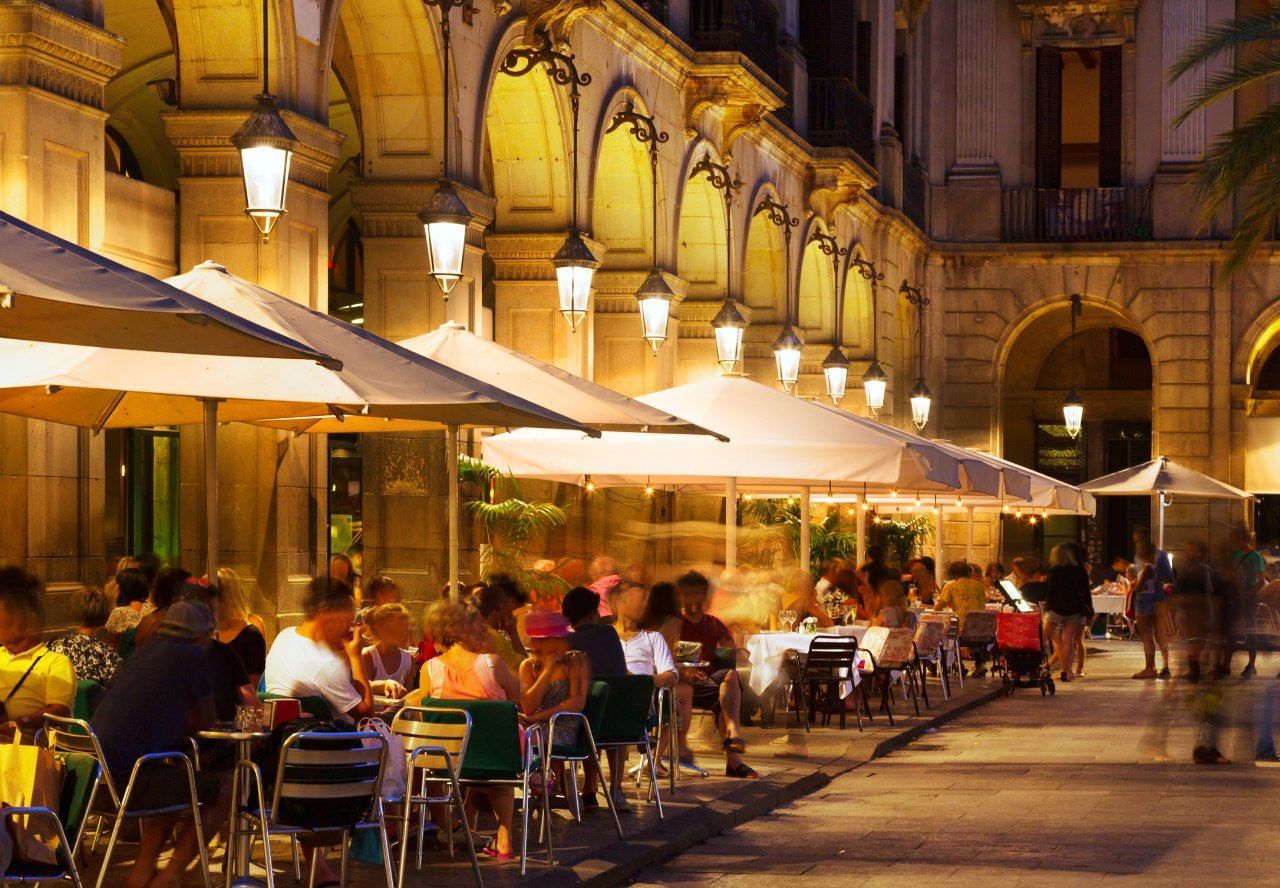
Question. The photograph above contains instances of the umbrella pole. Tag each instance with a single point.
(451, 458)
(1160, 525)
(805, 529)
(860, 526)
(968, 551)
(937, 543)
(211, 488)
(730, 523)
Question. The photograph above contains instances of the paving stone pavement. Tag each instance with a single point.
(1092, 786)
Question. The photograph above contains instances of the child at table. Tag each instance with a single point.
(390, 668)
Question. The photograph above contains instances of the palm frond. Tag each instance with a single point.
(1236, 158)
(1222, 84)
(1258, 224)
(1227, 37)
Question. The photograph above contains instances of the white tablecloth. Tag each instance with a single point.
(767, 649)
(1108, 604)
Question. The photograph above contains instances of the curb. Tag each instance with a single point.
(619, 862)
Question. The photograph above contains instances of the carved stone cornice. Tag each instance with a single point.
(615, 289)
(720, 80)
(1076, 20)
(555, 17)
(526, 256)
(202, 138)
(51, 51)
(834, 182)
(390, 207)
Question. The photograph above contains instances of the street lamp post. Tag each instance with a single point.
(1072, 406)
(575, 264)
(788, 346)
(921, 397)
(835, 366)
(266, 145)
(445, 217)
(729, 325)
(654, 295)
(874, 381)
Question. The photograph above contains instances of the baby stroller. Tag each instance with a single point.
(1021, 653)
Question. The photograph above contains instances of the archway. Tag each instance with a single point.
(700, 255)
(135, 129)
(622, 201)
(817, 309)
(1114, 377)
(859, 302)
(764, 271)
(526, 154)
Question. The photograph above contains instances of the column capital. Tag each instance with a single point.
(202, 138)
(526, 256)
(55, 52)
(390, 207)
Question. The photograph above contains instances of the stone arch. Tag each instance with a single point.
(816, 295)
(220, 65)
(1256, 345)
(524, 145)
(387, 55)
(859, 306)
(150, 54)
(700, 248)
(764, 264)
(622, 191)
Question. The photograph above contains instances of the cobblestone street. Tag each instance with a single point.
(1093, 786)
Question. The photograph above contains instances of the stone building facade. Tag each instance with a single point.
(1000, 155)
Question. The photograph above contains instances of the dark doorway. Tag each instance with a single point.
(1127, 444)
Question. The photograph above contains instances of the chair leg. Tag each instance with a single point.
(653, 778)
(404, 830)
(316, 853)
(857, 708)
(195, 816)
(524, 831)
(297, 860)
(573, 798)
(111, 846)
(386, 846)
(93, 794)
(466, 830)
(266, 854)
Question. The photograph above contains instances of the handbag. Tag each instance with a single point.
(31, 777)
(395, 773)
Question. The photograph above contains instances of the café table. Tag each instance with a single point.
(236, 863)
(1112, 607)
(768, 648)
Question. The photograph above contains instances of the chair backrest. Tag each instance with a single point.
(88, 693)
(81, 771)
(930, 634)
(830, 655)
(626, 715)
(897, 650)
(978, 626)
(75, 736)
(437, 731)
(328, 779)
(493, 745)
(128, 641)
(873, 642)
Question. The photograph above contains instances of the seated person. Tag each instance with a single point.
(801, 596)
(34, 681)
(893, 612)
(389, 667)
(92, 659)
(962, 592)
(132, 602)
(662, 613)
(162, 694)
(716, 689)
(463, 671)
(229, 678)
(166, 588)
(499, 625)
(554, 679)
(603, 649)
(238, 627)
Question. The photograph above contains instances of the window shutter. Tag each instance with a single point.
(900, 98)
(862, 59)
(1048, 117)
(827, 35)
(1111, 79)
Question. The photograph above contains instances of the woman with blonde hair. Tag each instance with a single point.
(463, 671)
(389, 667)
(238, 627)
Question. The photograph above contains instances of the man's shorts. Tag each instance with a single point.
(706, 690)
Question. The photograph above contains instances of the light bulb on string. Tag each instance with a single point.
(591, 485)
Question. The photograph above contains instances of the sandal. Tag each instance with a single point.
(498, 855)
(741, 771)
(734, 744)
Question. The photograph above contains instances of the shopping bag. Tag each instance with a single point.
(394, 774)
(31, 777)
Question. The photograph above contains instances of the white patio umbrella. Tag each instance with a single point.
(52, 290)
(108, 388)
(400, 389)
(453, 345)
(777, 443)
(1164, 478)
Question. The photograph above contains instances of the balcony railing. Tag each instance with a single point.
(655, 8)
(746, 26)
(841, 116)
(1077, 214)
(915, 194)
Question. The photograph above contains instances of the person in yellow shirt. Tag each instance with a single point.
(34, 681)
(962, 593)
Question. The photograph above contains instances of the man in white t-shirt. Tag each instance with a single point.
(321, 657)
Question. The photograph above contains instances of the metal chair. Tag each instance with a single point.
(77, 736)
(435, 742)
(830, 663)
(324, 781)
(891, 654)
(591, 719)
(930, 637)
(627, 720)
(82, 774)
(978, 633)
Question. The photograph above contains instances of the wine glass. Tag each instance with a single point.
(788, 618)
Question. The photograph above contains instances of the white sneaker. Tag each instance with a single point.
(620, 802)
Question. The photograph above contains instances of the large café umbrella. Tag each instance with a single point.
(52, 290)
(777, 443)
(1166, 479)
(108, 388)
(586, 402)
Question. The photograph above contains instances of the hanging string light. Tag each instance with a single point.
(788, 347)
(729, 325)
(574, 262)
(266, 145)
(1072, 406)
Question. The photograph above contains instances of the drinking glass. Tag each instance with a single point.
(248, 718)
(788, 619)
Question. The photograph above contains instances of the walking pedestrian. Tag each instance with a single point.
(1068, 604)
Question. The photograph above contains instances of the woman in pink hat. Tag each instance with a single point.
(555, 678)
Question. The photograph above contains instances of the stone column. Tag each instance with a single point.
(404, 474)
(53, 69)
(973, 198)
(1181, 147)
(272, 485)
(624, 361)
